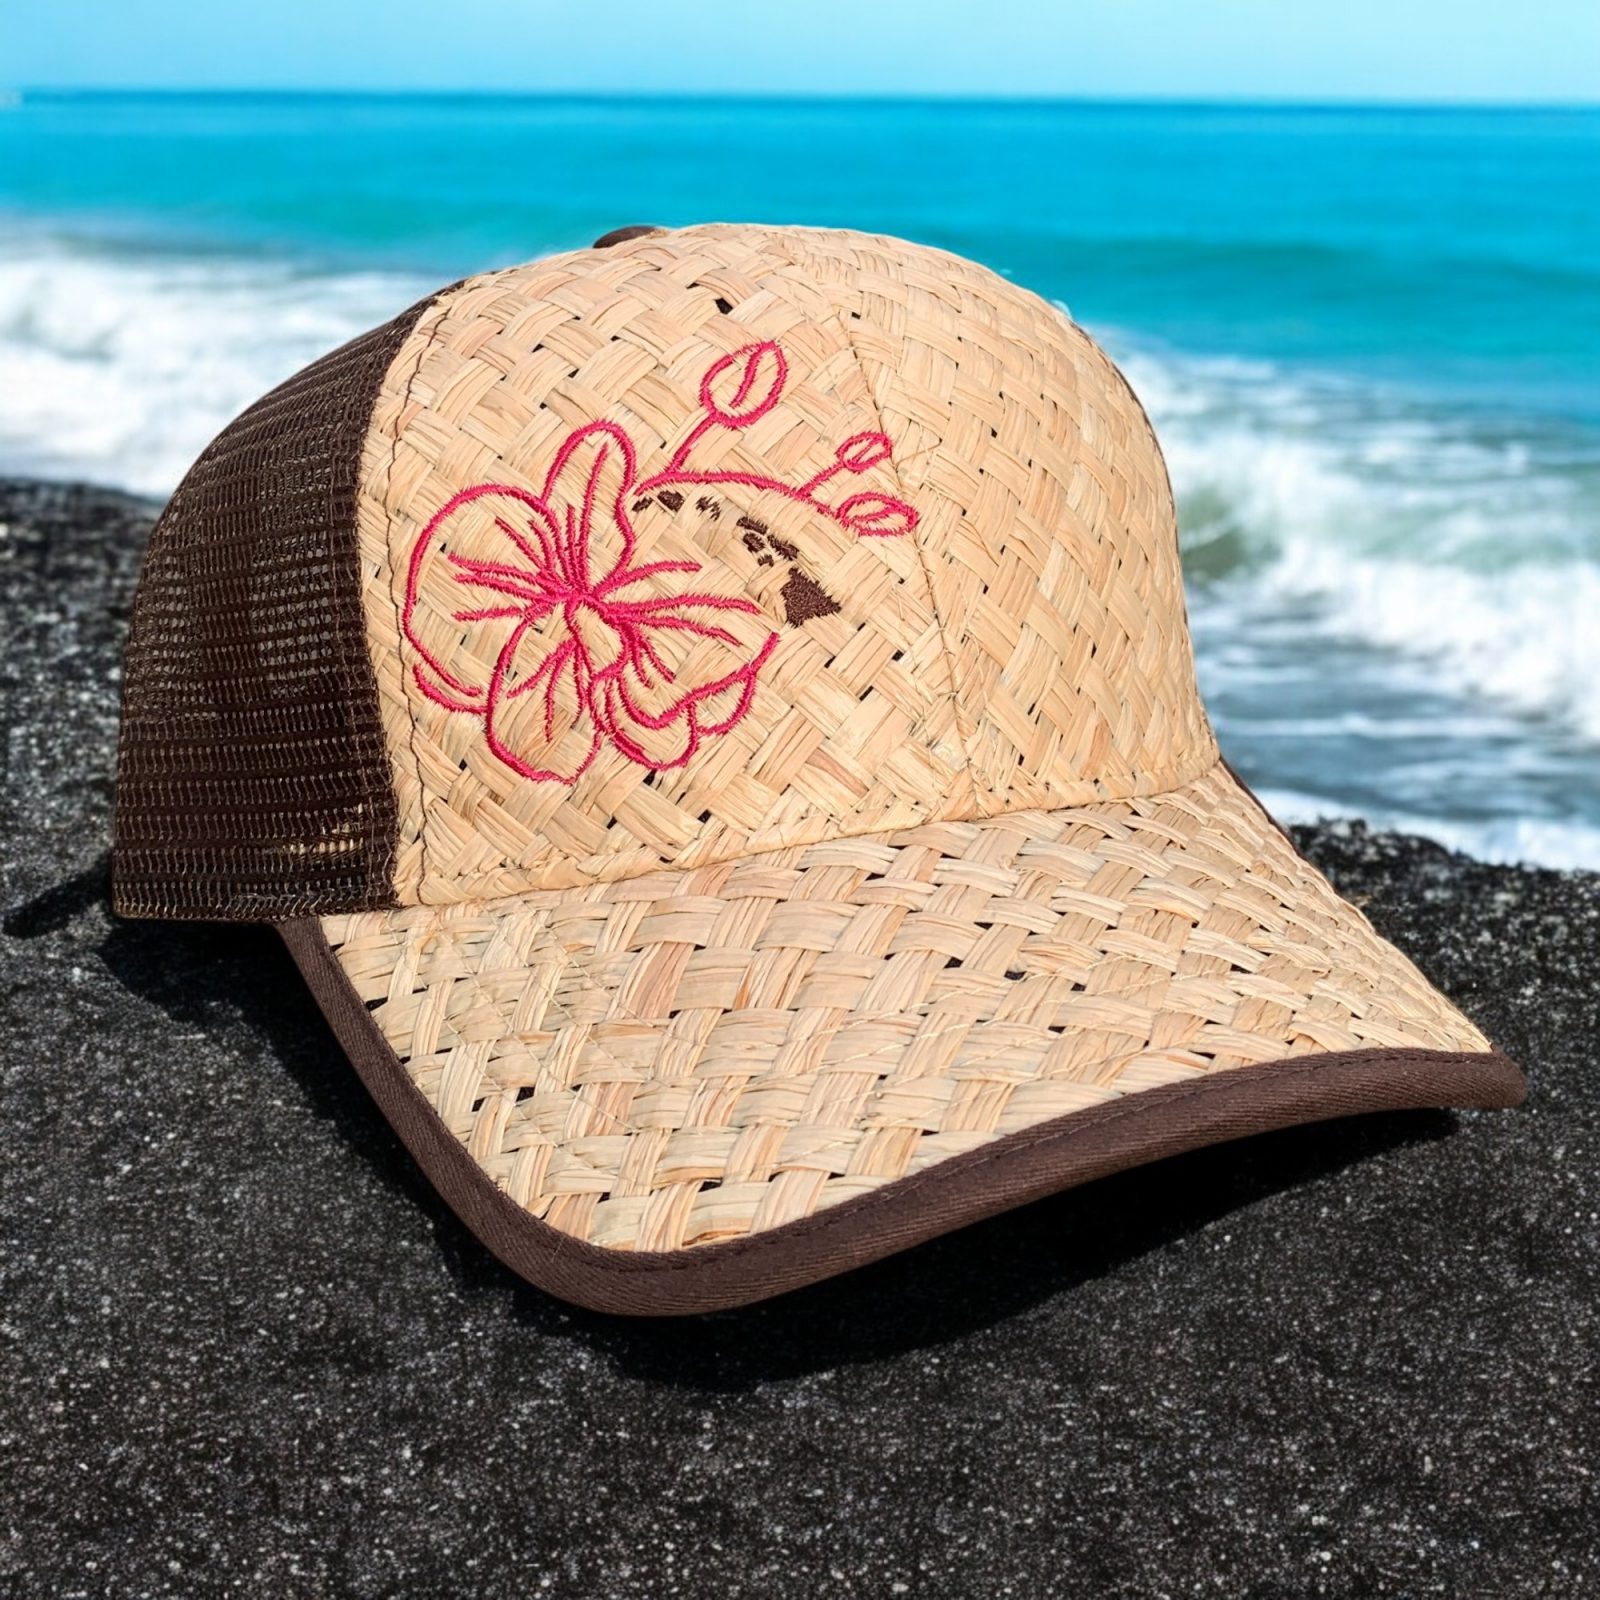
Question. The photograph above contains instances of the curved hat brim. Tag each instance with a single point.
(704, 1086)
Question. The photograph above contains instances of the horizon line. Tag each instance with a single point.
(20, 93)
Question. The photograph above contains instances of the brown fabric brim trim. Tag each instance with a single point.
(1014, 1169)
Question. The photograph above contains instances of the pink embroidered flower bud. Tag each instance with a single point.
(876, 516)
(745, 385)
(863, 450)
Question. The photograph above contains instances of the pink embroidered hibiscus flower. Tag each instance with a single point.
(568, 644)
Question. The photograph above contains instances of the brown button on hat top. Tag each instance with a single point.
(714, 719)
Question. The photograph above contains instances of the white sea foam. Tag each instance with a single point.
(120, 370)
(1546, 842)
(1471, 559)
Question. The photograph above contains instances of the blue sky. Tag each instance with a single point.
(1409, 50)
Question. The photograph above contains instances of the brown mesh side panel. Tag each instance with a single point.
(253, 777)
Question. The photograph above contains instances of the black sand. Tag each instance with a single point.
(247, 1352)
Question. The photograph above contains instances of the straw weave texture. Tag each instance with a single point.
(695, 1055)
(1025, 646)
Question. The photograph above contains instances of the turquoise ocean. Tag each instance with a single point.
(1370, 340)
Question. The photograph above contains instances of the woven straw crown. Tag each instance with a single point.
(1010, 634)
(716, 719)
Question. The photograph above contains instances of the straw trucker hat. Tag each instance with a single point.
(713, 718)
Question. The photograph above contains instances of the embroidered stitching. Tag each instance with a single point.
(602, 676)
(758, 373)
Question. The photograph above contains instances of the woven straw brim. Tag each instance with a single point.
(722, 1064)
